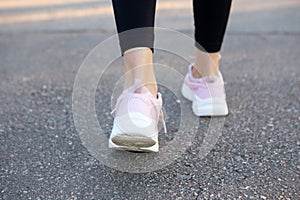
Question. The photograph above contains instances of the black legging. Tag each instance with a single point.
(210, 20)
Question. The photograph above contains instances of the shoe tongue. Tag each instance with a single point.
(141, 90)
(211, 79)
(137, 87)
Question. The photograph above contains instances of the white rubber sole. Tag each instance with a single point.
(134, 132)
(205, 107)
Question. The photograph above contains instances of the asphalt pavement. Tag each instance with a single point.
(42, 46)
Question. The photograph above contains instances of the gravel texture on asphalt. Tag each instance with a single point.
(42, 156)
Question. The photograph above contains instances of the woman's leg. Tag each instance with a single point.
(210, 20)
(135, 22)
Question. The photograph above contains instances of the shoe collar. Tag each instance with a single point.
(206, 79)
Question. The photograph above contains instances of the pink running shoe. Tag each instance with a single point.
(137, 114)
(207, 94)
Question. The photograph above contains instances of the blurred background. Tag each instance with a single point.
(79, 15)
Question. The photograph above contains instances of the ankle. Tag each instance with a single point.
(206, 64)
(204, 72)
(196, 73)
(138, 65)
(152, 88)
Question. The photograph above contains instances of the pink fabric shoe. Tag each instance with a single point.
(137, 114)
(207, 94)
